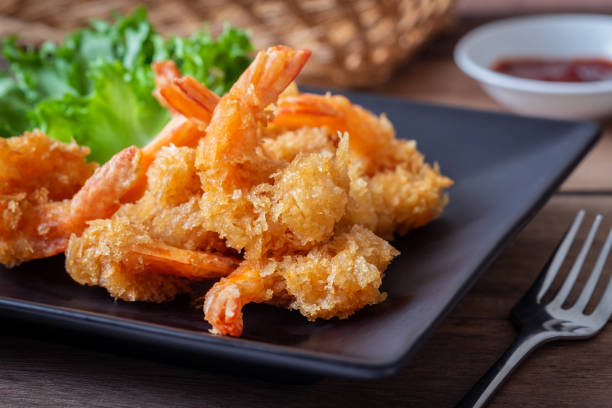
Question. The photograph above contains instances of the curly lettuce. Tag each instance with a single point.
(96, 87)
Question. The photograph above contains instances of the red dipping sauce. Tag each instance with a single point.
(558, 70)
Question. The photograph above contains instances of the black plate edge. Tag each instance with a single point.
(531, 212)
(244, 351)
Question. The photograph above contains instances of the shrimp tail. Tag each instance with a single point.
(308, 110)
(190, 98)
(269, 74)
(223, 310)
(224, 301)
(164, 73)
(195, 265)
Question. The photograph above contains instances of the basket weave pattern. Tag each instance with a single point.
(354, 42)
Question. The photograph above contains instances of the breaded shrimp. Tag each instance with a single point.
(37, 223)
(149, 250)
(392, 188)
(285, 209)
(226, 158)
(276, 210)
(132, 266)
(256, 204)
(333, 280)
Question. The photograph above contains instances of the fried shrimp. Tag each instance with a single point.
(392, 188)
(264, 196)
(333, 280)
(37, 222)
(121, 256)
(228, 157)
(151, 249)
(259, 205)
(284, 214)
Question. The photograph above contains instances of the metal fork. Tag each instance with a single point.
(539, 323)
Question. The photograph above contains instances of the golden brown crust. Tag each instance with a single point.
(295, 211)
(405, 194)
(332, 280)
(340, 277)
(34, 161)
(101, 256)
(149, 250)
(38, 176)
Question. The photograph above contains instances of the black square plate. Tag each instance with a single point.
(504, 167)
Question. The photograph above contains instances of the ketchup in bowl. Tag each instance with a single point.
(557, 70)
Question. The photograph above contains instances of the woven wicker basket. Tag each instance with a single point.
(354, 43)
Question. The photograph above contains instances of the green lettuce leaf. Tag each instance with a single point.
(119, 112)
(96, 87)
(13, 108)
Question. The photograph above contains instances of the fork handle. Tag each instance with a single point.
(499, 372)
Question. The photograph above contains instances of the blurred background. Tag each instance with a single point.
(358, 43)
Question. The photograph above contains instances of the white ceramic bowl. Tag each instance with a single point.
(548, 36)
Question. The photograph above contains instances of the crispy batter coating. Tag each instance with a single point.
(340, 277)
(100, 255)
(398, 199)
(332, 280)
(37, 177)
(146, 250)
(288, 144)
(406, 193)
(33, 161)
(296, 210)
(169, 207)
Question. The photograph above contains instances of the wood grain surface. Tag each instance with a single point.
(37, 368)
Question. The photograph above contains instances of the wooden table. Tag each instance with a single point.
(37, 371)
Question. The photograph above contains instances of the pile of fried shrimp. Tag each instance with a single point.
(280, 197)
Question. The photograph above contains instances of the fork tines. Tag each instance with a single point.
(605, 305)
